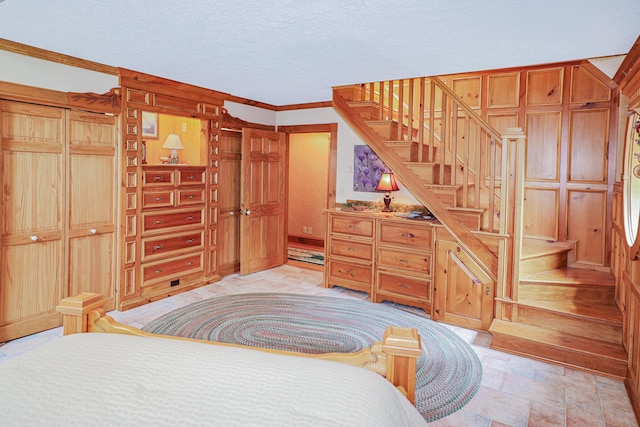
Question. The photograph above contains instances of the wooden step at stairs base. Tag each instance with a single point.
(602, 322)
(561, 348)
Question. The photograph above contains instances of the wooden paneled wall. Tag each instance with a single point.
(569, 114)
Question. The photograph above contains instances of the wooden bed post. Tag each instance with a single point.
(402, 347)
(75, 311)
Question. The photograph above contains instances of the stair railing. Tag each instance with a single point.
(472, 244)
(448, 132)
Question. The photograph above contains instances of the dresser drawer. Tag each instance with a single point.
(191, 176)
(350, 271)
(188, 197)
(350, 248)
(157, 177)
(173, 268)
(154, 248)
(355, 226)
(404, 285)
(163, 221)
(157, 199)
(405, 234)
(404, 260)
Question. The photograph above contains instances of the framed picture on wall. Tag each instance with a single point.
(149, 125)
(367, 169)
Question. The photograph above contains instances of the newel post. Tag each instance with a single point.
(513, 169)
(75, 311)
(402, 348)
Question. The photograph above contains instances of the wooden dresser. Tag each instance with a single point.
(388, 257)
(173, 243)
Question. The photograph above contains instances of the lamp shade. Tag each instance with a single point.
(387, 182)
(173, 142)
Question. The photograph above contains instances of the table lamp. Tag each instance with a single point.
(387, 183)
(173, 143)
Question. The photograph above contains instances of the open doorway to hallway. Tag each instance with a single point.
(308, 197)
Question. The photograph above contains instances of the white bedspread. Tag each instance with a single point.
(119, 380)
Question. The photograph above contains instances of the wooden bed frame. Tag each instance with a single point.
(394, 358)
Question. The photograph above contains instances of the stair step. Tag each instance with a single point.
(403, 149)
(448, 194)
(540, 255)
(368, 110)
(470, 217)
(430, 172)
(597, 312)
(568, 284)
(562, 348)
(585, 320)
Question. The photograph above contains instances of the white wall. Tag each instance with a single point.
(347, 139)
(250, 113)
(36, 72)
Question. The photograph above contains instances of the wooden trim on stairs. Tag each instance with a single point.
(472, 245)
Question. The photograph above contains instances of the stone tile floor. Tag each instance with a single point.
(515, 391)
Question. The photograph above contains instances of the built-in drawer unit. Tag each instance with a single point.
(386, 256)
(172, 225)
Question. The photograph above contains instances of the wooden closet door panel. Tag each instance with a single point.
(91, 204)
(32, 227)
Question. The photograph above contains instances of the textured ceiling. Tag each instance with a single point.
(292, 51)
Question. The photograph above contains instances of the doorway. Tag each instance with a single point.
(310, 190)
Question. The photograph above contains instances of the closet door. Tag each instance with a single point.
(32, 203)
(91, 204)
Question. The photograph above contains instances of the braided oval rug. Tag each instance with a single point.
(448, 372)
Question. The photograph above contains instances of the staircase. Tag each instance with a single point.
(563, 314)
(451, 161)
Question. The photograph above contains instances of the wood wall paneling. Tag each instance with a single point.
(588, 146)
(586, 213)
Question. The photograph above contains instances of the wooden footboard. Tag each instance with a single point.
(395, 357)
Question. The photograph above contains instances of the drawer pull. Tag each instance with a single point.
(93, 231)
(189, 264)
(159, 221)
(408, 235)
(158, 178)
(351, 249)
(157, 199)
(157, 271)
(402, 285)
(352, 226)
(405, 261)
(157, 247)
(190, 218)
(191, 196)
(351, 272)
(191, 177)
(189, 241)
(34, 238)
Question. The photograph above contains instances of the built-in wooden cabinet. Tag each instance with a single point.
(173, 225)
(387, 257)
(170, 213)
(58, 212)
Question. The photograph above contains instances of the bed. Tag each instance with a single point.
(125, 376)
